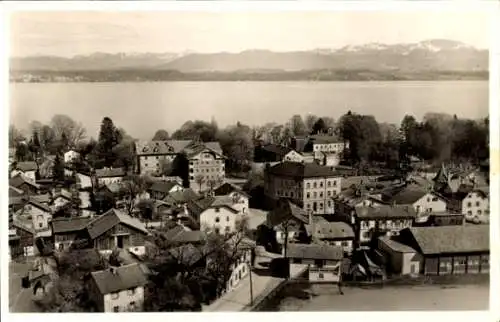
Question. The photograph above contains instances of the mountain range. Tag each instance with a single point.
(428, 55)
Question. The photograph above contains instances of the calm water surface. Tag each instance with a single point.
(142, 108)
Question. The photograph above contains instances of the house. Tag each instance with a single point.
(181, 235)
(160, 189)
(206, 168)
(346, 202)
(71, 156)
(222, 214)
(327, 143)
(276, 153)
(151, 155)
(473, 203)
(339, 233)
(386, 220)
(440, 219)
(287, 219)
(27, 168)
(39, 215)
(61, 198)
(446, 250)
(22, 182)
(448, 180)
(115, 229)
(400, 258)
(422, 200)
(181, 197)
(329, 159)
(324, 261)
(21, 239)
(309, 185)
(84, 180)
(109, 175)
(118, 289)
(66, 231)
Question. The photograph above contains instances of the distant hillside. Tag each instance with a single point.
(444, 55)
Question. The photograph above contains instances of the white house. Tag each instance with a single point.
(474, 205)
(27, 168)
(71, 156)
(423, 201)
(118, 289)
(38, 214)
(62, 198)
(324, 262)
(106, 176)
(220, 218)
(84, 180)
(293, 156)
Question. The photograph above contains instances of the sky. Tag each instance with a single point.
(82, 33)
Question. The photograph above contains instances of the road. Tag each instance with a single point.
(20, 299)
(426, 297)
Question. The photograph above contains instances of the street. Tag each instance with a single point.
(20, 299)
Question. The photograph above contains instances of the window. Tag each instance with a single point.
(321, 276)
(308, 206)
(428, 199)
(132, 305)
(315, 194)
(227, 218)
(334, 183)
(308, 185)
(321, 194)
(131, 291)
(320, 205)
(469, 204)
(479, 212)
(469, 212)
(217, 219)
(291, 194)
(114, 296)
(329, 203)
(228, 229)
(321, 184)
(116, 309)
(40, 225)
(308, 195)
(217, 231)
(477, 203)
(329, 193)
(217, 209)
(314, 185)
(319, 263)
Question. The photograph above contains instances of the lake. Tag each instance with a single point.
(143, 108)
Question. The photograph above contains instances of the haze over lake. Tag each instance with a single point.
(142, 108)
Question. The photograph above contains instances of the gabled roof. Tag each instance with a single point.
(330, 230)
(114, 187)
(279, 150)
(395, 245)
(302, 170)
(385, 212)
(111, 218)
(324, 139)
(284, 211)
(19, 179)
(407, 195)
(185, 195)
(26, 166)
(452, 239)
(161, 147)
(15, 192)
(123, 278)
(227, 188)
(196, 148)
(67, 225)
(110, 172)
(162, 186)
(315, 251)
(64, 194)
(45, 198)
(37, 204)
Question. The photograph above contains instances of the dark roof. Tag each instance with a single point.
(396, 246)
(26, 166)
(452, 239)
(162, 186)
(406, 195)
(385, 211)
(161, 147)
(314, 251)
(15, 192)
(123, 278)
(39, 205)
(19, 179)
(41, 198)
(285, 210)
(66, 225)
(330, 230)
(325, 139)
(111, 218)
(185, 195)
(179, 234)
(110, 172)
(227, 188)
(302, 170)
(279, 150)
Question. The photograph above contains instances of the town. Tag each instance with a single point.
(210, 219)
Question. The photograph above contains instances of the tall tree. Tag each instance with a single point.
(74, 131)
(201, 130)
(309, 122)
(319, 127)
(15, 136)
(160, 135)
(109, 137)
(297, 125)
(58, 169)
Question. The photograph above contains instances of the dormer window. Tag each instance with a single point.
(144, 149)
(155, 149)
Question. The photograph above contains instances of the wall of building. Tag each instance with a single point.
(391, 226)
(123, 299)
(429, 203)
(219, 218)
(475, 206)
(149, 164)
(318, 194)
(457, 264)
(85, 181)
(337, 147)
(108, 180)
(39, 217)
(206, 165)
(293, 156)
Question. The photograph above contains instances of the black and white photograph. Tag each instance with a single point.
(248, 161)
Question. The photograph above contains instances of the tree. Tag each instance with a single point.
(200, 180)
(58, 169)
(131, 186)
(146, 209)
(73, 131)
(15, 136)
(22, 152)
(206, 132)
(109, 137)
(309, 122)
(297, 125)
(319, 127)
(238, 146)
(48, 139)
(160, 135)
